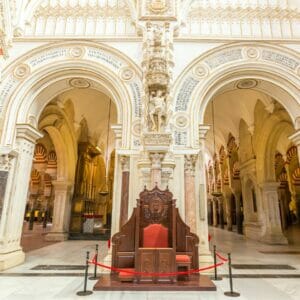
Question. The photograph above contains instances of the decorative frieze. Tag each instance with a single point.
(136, 93)
(185, 92)
(180, 138)
(157, 141)
(89, 18)
(224, 57)
(280, 59)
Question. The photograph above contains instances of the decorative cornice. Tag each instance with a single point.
(28, 132)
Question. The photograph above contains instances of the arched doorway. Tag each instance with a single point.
(38, 105)
(248, 96)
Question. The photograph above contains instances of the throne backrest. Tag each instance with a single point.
(155, 217)
(155, 236)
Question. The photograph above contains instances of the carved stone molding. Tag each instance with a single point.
(136, 128)
(27, 132)
(21, 71)
(181, 120)
(77, 52)
(200, 71)
(79, 83)
(190, 163)
(125, 163)
(157, 141)
(251, 53)
(126, 73)
(6, 161)
(157, 10)
(156, 159)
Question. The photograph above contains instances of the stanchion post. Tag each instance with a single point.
(85, 292)
(95, 277)
(231, 293)
(31, 219)
(45, 220)
(215, 262)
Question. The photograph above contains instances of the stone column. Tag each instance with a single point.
(221, 211)
(61, 211)
(215, 212)
(189, 190)
(239, 220)
(273, 233)
(205, 257)
(281, 198)
(228, 212)
(15, 196)
(156, 159)
(124, 190)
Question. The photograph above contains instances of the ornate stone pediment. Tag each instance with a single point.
(157, 9)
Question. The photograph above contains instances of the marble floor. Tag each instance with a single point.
(22, 282)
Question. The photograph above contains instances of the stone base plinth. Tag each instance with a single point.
(206, 260)
(11, 259)
(56, 236)
(274, 239)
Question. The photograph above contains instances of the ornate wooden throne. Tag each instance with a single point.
(155, 239)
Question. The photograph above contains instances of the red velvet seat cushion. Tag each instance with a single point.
(155, 236)
(183, 258)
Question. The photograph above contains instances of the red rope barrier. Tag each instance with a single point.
(221, 257)
(153, 274)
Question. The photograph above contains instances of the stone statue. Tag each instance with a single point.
(157, 110)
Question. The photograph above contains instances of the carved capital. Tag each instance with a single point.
(156, 159)
(6, 161)
(190, 163)
(125, 160)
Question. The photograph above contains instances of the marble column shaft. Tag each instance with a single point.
(124, 190)
(61, 211)
(189, 188)
(273, 234)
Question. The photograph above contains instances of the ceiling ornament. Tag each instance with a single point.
(79, 83)
(247, 84)
(21, 71)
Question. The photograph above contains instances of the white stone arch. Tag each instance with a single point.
(277, 69)
(63, 140)
(33, 83)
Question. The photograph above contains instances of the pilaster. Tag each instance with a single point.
(273, 233)
(16, 190)
(189, 182)
(124, 160)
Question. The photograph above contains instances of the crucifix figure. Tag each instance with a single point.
(157, 109)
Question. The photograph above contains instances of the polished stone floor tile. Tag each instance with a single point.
(61, 282)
